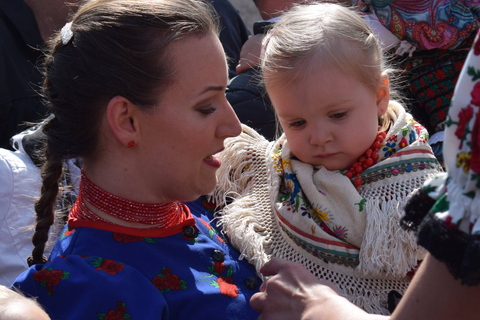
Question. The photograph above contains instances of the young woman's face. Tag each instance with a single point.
(191, 123)
(329, 119)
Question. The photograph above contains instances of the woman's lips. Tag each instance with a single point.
(212, 161)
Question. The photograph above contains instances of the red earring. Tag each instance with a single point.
(131, 144)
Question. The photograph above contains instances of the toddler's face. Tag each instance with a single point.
(330, 119)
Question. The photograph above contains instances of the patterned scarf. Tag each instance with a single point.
(323, 212)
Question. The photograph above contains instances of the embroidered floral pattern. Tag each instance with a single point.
(106, 265)
(389, 148)
(464, 117)
(119, 313)
(212, 232)
(224, 283)
(208, 205)
(340, 232)
(166, 281)
(49, 278)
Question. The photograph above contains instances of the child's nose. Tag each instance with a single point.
(320, 135)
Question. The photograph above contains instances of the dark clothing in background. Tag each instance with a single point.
(20, 79)
(248, 97)
(251, 103)
(233, 33)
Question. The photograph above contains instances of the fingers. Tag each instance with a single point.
(275, 265)
(257, 301)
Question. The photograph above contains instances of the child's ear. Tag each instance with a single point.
(383, 94)
(121, 117)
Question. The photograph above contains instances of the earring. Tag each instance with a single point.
(131, 144)
(382, 116)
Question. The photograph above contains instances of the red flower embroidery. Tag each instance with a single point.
(211, 231)
(166, 281)
(441, 114)
(209, 206)
(403, 143)
(119, 314)
(224, 283)
(110, 266)
(475, 153)
(458, 66)
(227, 287)
(440, 74)
(50, 278)
(476, 94)
(392, 138)
(219, 267)
(463, 118)
(430, 93)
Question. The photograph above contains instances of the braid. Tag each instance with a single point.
(117, 48)
(44, 207)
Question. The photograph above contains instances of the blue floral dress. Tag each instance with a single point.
(98, 274)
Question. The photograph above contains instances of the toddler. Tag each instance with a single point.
(330, 191)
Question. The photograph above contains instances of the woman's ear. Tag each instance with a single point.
(121, 119)
(383, 94)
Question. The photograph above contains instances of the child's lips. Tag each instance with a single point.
(326, 155)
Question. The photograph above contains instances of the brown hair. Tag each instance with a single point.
(118, 47)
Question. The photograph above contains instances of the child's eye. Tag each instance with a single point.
(207, 111)
(338, 115)
(297, 124)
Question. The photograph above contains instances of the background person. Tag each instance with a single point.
(24, 27)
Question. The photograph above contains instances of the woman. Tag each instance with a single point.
(137, 89)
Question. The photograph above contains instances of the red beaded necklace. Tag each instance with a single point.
(368, 159)
(162, 215)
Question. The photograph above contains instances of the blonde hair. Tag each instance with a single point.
(326, 34)
(13, 304)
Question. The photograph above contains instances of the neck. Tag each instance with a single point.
(96, 204)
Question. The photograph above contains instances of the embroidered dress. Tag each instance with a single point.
(446, 211)
(289, 209)
(143, 274)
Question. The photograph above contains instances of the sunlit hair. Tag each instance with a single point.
(323, 34)
(14, 305)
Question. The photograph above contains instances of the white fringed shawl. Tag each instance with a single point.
(260, 229)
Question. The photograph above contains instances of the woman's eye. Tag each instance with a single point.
(208, 110)
(297, 123)
(339, 115)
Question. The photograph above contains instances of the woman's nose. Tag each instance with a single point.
(230, 125)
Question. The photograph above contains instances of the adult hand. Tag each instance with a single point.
(292, 292)
(250, 53)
